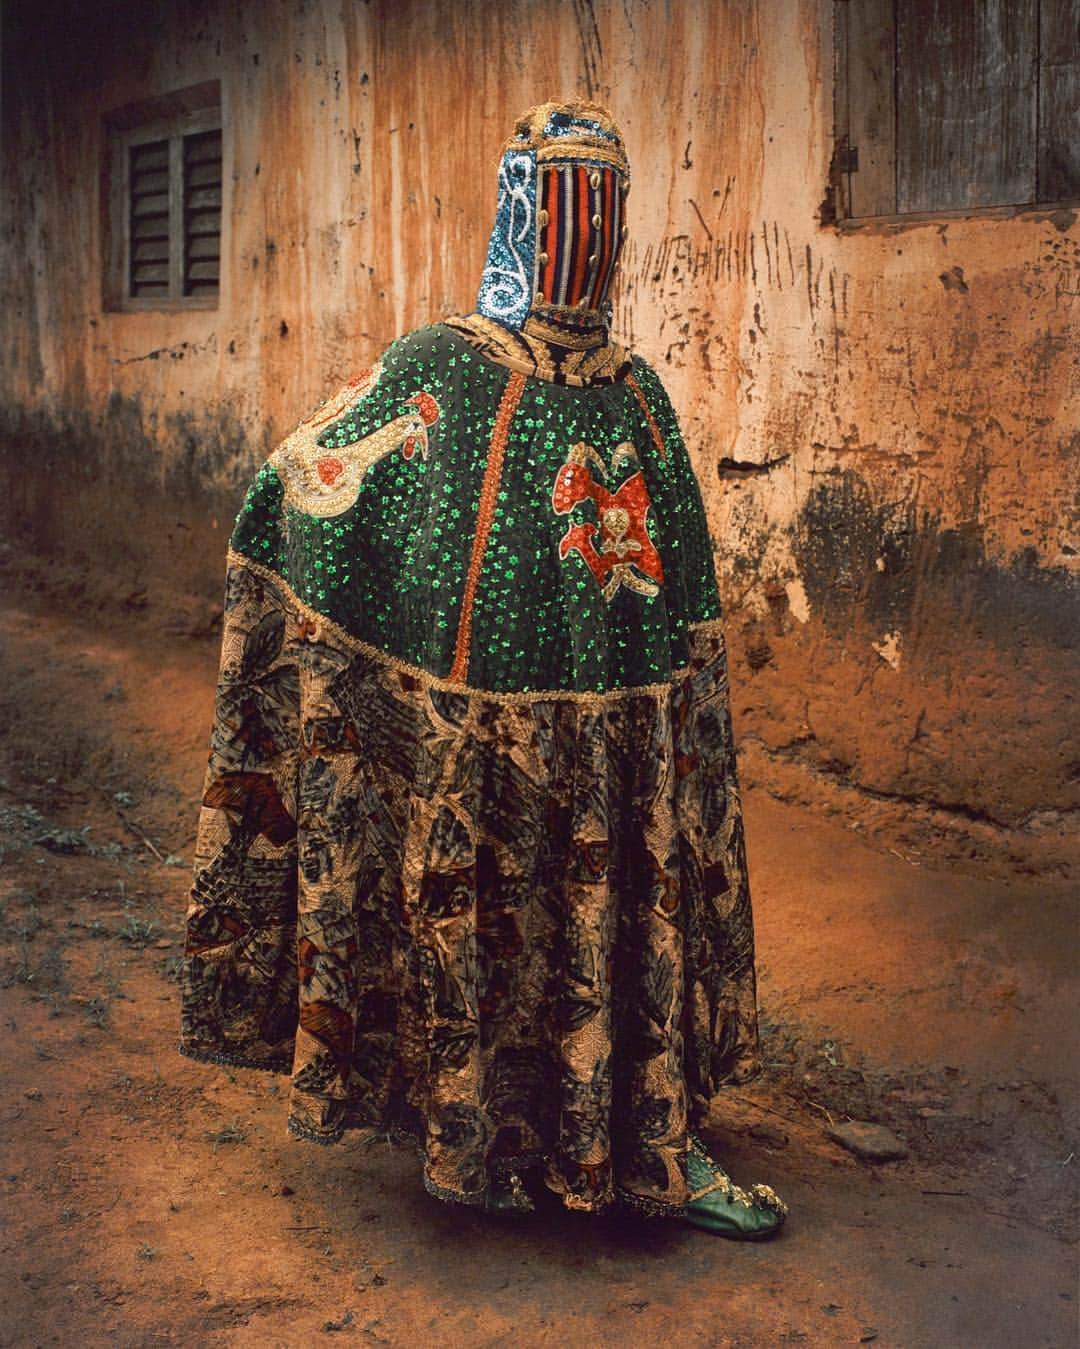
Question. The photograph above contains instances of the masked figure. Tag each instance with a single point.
(470, 863)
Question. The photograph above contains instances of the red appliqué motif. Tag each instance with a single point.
(626, 555)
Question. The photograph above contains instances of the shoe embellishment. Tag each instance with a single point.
(745, 1215)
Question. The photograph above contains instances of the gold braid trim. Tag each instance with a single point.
(588, 340)
(599, 366)
(711, 1189)
(583, 147)
(529, 134)
(487, 335)
(357, 644)
(531, 355)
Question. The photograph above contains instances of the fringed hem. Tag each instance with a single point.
(470, 1198)
(310, 1135)
(499, 1166)
(648, 1208)
(398, 1134)
(234, 1060)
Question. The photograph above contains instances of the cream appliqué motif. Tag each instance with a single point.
(324, 481)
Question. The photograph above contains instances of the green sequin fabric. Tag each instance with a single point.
(391, 570)
(470, 863)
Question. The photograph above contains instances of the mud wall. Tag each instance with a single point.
(881, 417)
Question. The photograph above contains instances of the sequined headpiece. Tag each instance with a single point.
(563, 178)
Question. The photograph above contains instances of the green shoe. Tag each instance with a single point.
(721, 1206)
(506, 1195)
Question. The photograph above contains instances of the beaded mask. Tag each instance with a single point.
(563, 179)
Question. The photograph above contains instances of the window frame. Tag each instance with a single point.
(140, 124)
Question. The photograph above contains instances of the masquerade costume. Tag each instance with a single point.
(470, 864)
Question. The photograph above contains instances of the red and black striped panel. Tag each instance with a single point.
(576, 254)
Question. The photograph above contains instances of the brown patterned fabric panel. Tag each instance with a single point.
(517, 929)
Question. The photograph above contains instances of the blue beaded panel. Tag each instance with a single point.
(507, 281)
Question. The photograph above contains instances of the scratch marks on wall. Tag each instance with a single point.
(764, 258)
(1054, 272)
(729, 255)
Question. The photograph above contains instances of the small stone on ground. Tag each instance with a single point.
(871, 1142)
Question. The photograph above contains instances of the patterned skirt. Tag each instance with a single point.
(513, 927)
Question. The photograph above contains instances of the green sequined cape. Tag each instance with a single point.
(470, 861)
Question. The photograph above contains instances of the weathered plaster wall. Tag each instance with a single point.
(884, 420)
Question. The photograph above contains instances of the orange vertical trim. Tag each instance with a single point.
(658, 439)
(485, 514)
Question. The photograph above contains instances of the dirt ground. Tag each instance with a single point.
(149, 1199)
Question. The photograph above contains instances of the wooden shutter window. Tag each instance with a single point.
(162, 207)
(1059, 100)
(954, 105)
(965, 104)
(149, 219)
(202, 213)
